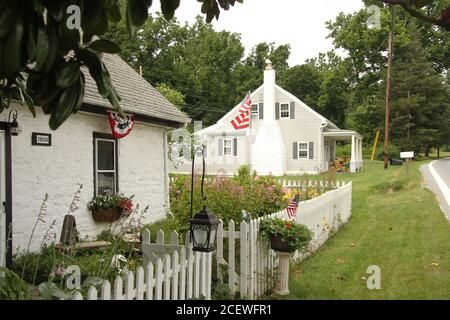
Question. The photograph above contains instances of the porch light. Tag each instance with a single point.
(203, 226)
(203, 229)
(14, 125)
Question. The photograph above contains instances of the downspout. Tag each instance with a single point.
(322, 146)
(166, 173)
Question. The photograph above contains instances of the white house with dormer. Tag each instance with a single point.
(285, 137)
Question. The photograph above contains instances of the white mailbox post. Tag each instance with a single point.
(407, 155)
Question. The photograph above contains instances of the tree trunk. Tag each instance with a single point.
(438, 152)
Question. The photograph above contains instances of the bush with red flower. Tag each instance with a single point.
(226, 197)
(297, 236)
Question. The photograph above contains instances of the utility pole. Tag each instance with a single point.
(388, 89)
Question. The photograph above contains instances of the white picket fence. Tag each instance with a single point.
(255, 274)
(180, 275)
(176, 272)
(303, 184)
(296, 183)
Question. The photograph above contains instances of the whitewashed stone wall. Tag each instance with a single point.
(58, 169)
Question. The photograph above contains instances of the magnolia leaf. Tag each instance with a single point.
(103, 45)
(168, 8)
(92, 281)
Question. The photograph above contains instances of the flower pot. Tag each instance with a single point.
(107, 215)
(279, 244)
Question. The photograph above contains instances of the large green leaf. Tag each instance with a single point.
(92, 281)
(103, 45)
(56, 8)
(13, 51)
(168, 7)
(94, 64)
(42, 46)
(114, 13)
(8, 15)
(94, 20)
(64, 106)
(137, 13)
(67, 73)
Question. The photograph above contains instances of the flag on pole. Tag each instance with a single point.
(242, 121)
(292, 208)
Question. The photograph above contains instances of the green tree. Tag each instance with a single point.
(35, 40)
(418, 95)
(174, 96)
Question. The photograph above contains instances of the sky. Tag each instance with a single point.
(299, 23)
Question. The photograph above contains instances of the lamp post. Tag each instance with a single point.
(203, 226)
(11, 129)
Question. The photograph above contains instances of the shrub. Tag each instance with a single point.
(393, 152)
(12, 287)
(226, 197)
(344, 150)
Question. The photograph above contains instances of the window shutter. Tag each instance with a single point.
(311, 150)
(261, 111)
(277, 111)
(235, 147)
(220, 147)
(292, 111)
(295, 148)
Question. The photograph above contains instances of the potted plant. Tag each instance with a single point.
(109, 208)
(285, 235)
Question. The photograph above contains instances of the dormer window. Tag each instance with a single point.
(284, 111)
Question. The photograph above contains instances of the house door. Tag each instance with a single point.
(3, 229)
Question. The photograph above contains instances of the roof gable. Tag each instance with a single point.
(137, 95)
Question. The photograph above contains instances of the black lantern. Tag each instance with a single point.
(203, 226)
(14, 125)
(204, 231)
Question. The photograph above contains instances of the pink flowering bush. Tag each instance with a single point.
(226, 197)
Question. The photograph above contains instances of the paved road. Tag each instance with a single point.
(442, 169)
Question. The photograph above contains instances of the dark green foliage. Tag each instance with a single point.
(28, 45)
(226, 198)
(12, 287)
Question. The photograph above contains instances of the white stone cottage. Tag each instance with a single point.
(285, 137)
(83, 151)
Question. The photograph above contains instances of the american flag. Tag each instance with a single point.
(292, 208)
(242, 121)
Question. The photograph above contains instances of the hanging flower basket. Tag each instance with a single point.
(285, 235)
(107, 215)
(110, 208)
(279, 244)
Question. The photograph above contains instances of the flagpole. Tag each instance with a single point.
(251, 145)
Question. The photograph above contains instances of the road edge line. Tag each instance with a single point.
(441, 184)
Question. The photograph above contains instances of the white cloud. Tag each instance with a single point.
(299, 23)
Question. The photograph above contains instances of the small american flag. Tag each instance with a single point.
(242, 121)
(292, 208)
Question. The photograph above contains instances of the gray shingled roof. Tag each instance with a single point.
(138, 96)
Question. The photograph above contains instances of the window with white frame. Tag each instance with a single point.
(284, 111)
(255, 110)
(227, 147)
(303, 152)
(105, 166)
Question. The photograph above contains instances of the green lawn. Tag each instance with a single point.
(397, 225)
